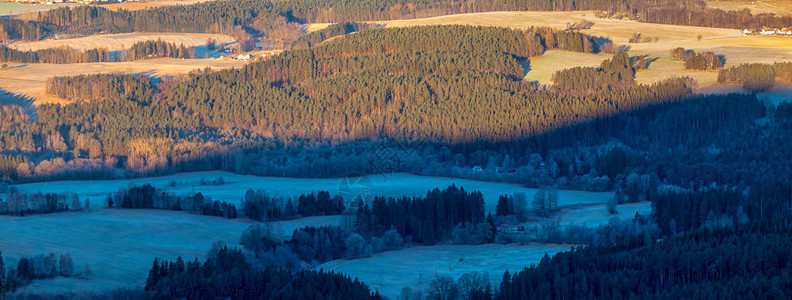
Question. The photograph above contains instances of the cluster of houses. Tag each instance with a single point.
(769, 31)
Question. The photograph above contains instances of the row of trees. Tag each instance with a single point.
(101, 86)
(158, 48)
(259, 206)
(426, 220)
(756, 77)
(41, 266)
(20, 204)
(698, 61)
(544, 202)
(59, 55)
(68, 55)
(147, 196)
(227, 273)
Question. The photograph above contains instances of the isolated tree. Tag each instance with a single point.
(552, 199)
(211, 44)
(520, 205)
(540, 203)
(2, 273)
(442, 288)
(472, 284)
(504, 207)
(392, 240)
(612, 203)
(87, 271)
(66, 265)
(356, 246)
(75, 202)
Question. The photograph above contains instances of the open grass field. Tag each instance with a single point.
(29, 80)
(778, 7)
(10, 9)
(415, 267)
(597, 214)
(541, 69)
(315, 27)
(120, 245)
(122, 41)
(236, 185)
(149, 4)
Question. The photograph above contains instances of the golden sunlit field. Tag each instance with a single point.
(29, 80)
(149, 4)
(778, 7)
(122, 41)
(542, 68)
(618, 30)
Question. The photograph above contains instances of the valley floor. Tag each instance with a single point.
(119, 245)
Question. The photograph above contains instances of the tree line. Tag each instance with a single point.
(148, 197)
(68, 55)
(21, 204)
(28, 269)
(227, 273)
(259, 206)
(426, 220)
(59, 55)
(101, 86)
(756, 77)
(747, 260)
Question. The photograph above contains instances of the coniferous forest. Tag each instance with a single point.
(241, 18)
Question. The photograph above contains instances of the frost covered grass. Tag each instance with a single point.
(415, 267)
(234, 187)
(596, 215)
(120, 245)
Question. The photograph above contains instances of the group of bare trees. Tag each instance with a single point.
(21, 204)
